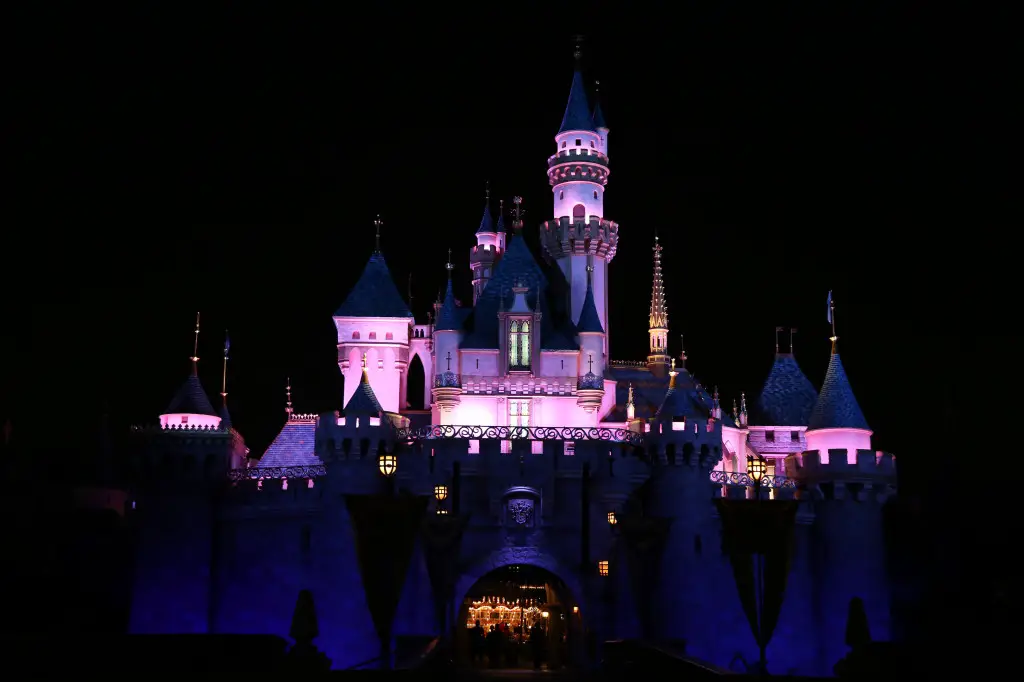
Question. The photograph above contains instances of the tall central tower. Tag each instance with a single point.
(579, 236)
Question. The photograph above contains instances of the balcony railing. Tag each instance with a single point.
(568, 156)
(570, 433)
(257, 473)
(743, 480)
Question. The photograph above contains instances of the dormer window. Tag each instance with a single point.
(519, 345)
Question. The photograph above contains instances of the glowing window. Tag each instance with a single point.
(518, 412)
(579, 143)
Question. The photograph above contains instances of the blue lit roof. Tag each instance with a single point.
(191, 398)
(375, 294)
(589, 320)
(599, 121)
(294, 446)
(449, 318)
(486, 221)
(836, 406)
(577, 110)
(685, 399)
(787, 397)
(363, 400)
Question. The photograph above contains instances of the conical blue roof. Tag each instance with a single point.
(225, 416)
(577, 111)
(599, 121)
(448, 319)
(684, 399)
(836, 407)
(589, 320)
(501, 222)
(486, 221)
(363, 401)
(375, 294)
(787, 397)
(191, 398)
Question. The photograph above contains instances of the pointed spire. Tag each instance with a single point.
(377, 223)
(577, 110)
(590, 321)
(672, 374)
(486, 222)
(836, 407)
(501, 216)
(743, 409)
(832, 321)
(630, 406)
(195, 350)
(288, 398)
(659, 311)
(716, 405)
(448, 318)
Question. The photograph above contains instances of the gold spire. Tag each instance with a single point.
(195, 349)
(365, 379)
(672, 373)
(659, 311)
(224, 374)
(288, 397)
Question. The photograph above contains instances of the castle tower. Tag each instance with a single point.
(490, 244)
(657, 357)
(579, 235)
(846, 484)
(182, 464)
(447, 333)
(375, 320)
(590, 385)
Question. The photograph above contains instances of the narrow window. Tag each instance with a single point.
(595, 193)
(513, 344)
(389, 337)
(373, 336)
(769, 436)
(355, 335)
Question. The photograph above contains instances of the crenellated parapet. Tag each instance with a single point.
(860, 475)
(578, 164)
(566, 236)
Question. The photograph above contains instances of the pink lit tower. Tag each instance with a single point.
(579, 236)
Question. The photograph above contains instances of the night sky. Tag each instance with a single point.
(232, 162)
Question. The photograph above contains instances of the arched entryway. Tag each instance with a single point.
(414, 385)
(528, 616)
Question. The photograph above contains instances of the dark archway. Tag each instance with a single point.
(416, 377)
(531, 610)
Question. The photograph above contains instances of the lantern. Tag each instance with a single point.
(544, 614)
(575, 609)
(602, 568)
(440, 492)
(387, 463)
(756, 467)
(611, 518)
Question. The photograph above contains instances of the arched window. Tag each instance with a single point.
(579, 211)
(355, 335)
(519, 345)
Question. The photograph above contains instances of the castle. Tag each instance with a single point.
(539, 452)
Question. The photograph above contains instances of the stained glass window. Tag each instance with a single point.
(524, 345)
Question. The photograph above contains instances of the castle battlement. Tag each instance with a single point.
(567, 236)
(182, 429)
(841, 474)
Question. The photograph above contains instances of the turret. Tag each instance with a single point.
(657, 357)
(375, 321)
(447, 331)
(490, 244)
(579, 235)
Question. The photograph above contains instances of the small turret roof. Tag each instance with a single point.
(486, 220)
(225, 416)
(375, 294)
(788, 395)
(836, 407)
(577, 110)
(684, 399)
(191, 398)
(449, 318)
(599, 121)
(501, 222)
(363, 401)
(589, 320)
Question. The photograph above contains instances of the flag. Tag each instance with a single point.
(227, 343)
(830, 307)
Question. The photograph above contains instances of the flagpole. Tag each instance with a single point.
(832, 311)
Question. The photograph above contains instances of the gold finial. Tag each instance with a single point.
(195, 349)
(832, 321)
(288, 397)
(224, 375)
(377, 222)
(364, 361)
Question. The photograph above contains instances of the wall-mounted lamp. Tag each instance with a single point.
(602, 568)
(387, 463)
(611, 518)
(440, 492)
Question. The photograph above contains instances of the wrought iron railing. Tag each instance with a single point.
(590, 381)
(573, 433)
(447, 380)
(256, 473)
(743, 480)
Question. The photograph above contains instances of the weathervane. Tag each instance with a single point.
(578, 50)
(487, 191)
(448, 266)
(195, 347)
(518, 212)
(377, 222)
(792, 333)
